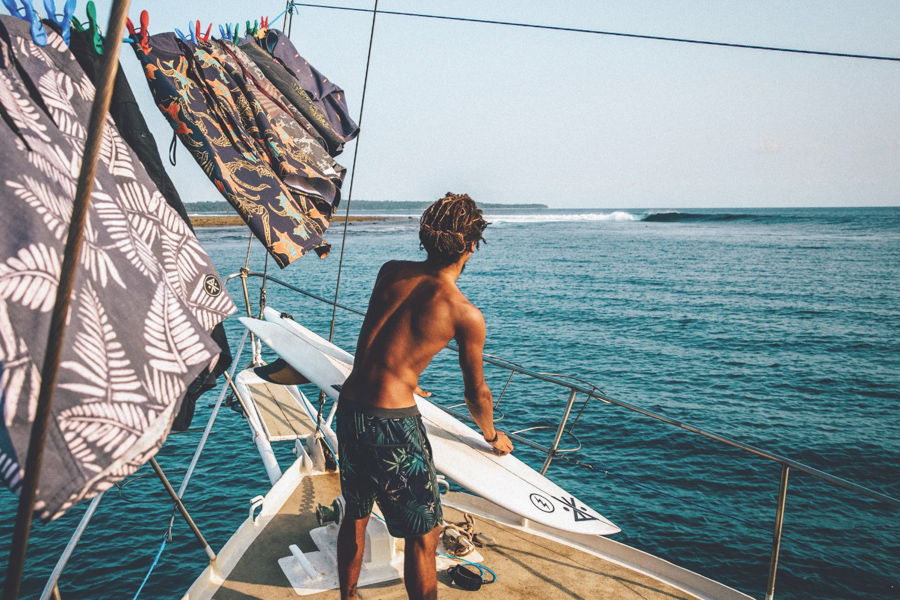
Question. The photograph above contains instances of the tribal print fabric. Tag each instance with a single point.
(203, 104)
(327, 96)
(145, 292)
(288, 85)
(298, 157)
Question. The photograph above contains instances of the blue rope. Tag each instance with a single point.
(289, 9)
(153, 566)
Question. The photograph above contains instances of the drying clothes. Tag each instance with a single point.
(324, 93)
(298, 158)
(145, 293)
(194, 93)
(285, 81)
(130, 122)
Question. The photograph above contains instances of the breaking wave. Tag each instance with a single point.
(682, 217)
(618, 215)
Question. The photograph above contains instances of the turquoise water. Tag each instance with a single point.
(778, 328)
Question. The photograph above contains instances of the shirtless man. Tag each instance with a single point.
(414, 312)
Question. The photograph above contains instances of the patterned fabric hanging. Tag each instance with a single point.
(327, 96)
(145, 292)
(201, 102)
(131, 125)
(307, 165)
(288, 85)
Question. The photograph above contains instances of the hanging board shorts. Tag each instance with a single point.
(385, 456)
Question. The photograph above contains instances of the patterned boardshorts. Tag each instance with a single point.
(385, 456)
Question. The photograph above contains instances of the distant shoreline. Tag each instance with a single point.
(236, 221)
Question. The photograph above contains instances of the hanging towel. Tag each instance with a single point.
(137, 331)
(131, 125)
(192, 91)
(324, 93)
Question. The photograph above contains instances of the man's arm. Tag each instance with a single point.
(470, 336)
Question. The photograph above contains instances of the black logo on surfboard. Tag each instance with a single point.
(580, 513)
(542, 503)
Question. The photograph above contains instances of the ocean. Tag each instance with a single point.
(775, 327)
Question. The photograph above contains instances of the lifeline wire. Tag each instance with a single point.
(608, 33)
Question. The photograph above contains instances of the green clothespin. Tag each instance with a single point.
(91, 26)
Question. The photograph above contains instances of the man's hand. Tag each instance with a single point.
(422, 392)
(501, 446)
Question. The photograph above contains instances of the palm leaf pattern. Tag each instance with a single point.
(114, 152)
(31, 277)
(136, 339)
(170, 335)
(57, 90)
(127, 239)
(21, 110)
(103, 372)
(20, 380)
(53, 208)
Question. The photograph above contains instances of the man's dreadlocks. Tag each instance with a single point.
(450, 226)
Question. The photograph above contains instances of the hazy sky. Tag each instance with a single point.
(574, 120)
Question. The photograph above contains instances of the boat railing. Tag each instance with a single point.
(576, 387)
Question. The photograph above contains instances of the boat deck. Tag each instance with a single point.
(282, 416)
(527, 566)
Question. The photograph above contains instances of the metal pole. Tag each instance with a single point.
(212, 419)
(559, 431)
(184, 512)
(50, 370)
(50, 590)
(776, 535)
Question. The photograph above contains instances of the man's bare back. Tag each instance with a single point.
(415, 310)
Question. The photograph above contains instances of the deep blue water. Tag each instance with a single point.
(776, 327)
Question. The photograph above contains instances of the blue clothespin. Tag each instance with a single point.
(65, 23)
(27, 13)
(190, 37)
(226, 32)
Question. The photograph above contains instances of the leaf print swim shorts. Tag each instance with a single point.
(385, 456)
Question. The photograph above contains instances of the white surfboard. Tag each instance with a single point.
(460, 453)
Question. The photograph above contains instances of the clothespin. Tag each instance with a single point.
(227, 33)
(264, 22)
(203, 38)
(65, 22)
(190, 37)
(91, 25)
(27, 13)
(140, 36)
(252, 30)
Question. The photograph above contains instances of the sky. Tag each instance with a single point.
(586, 121)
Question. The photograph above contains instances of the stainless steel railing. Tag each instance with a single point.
(576, 386)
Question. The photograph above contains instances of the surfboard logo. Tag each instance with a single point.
(580, 513)
(542, 503)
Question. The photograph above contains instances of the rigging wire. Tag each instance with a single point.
(362, 105)
(606, 33)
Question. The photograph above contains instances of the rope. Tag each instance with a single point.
(608, 33)
(362, 104)
(153, 566)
